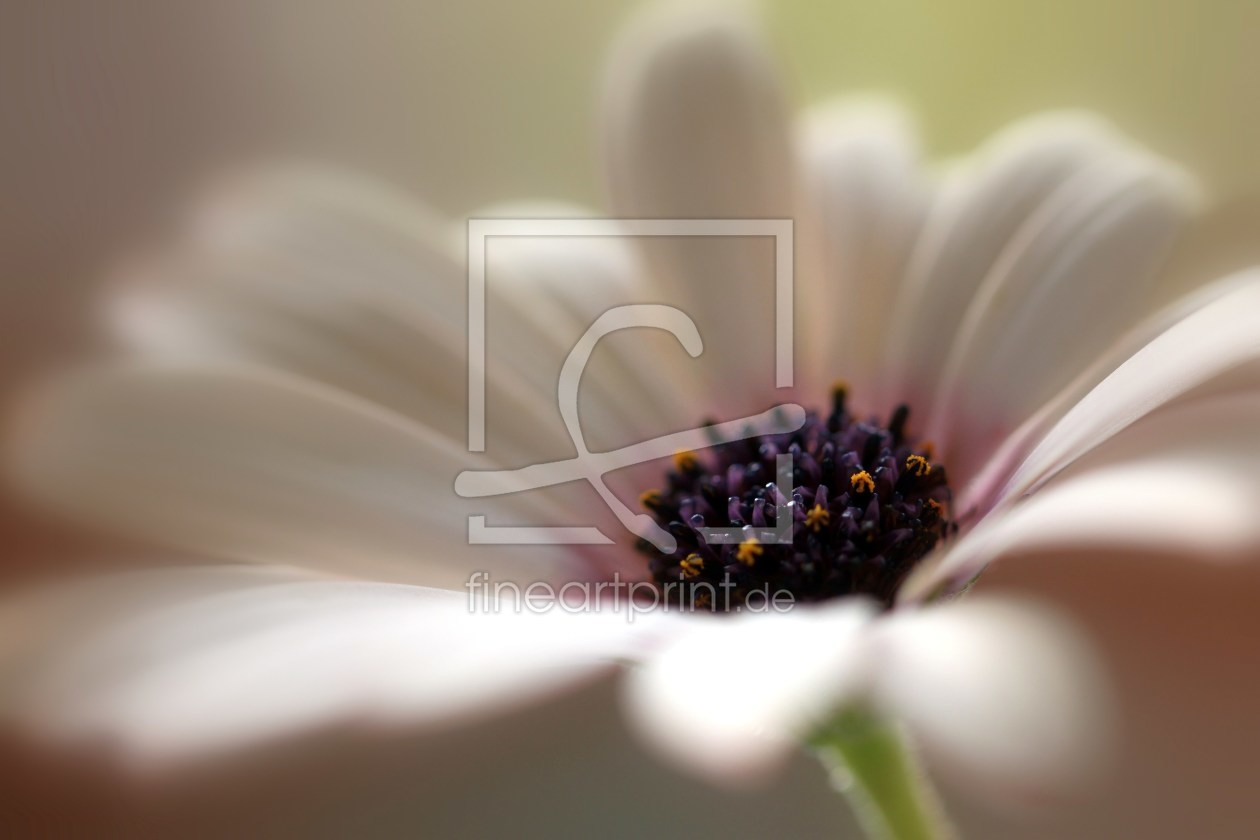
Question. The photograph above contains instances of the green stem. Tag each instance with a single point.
(871, 764)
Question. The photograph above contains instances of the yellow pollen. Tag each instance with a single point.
(817, 517)
(862, 482)
(702, 601)
(650, 498)
(692, 565)
(749, 550)
(918, 465)
(685, 461)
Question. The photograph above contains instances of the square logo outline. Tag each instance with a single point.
(480, 231)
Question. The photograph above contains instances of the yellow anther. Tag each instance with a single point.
(929, 450)
(685, 462)
(862, 482)
(702, 601)
(692, 565)
(650, 498)
(918, 465)
(817, 517)
(749, 550)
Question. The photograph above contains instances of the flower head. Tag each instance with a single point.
(299, 399)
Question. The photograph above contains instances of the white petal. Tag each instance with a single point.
(1074, 277)
(1181, 481)
(230, 669)
(1217, 338)
(868, 193)
(734, 696)
(980, 207)
(342, 281)
(1002, 694)
(257, 466)
(697, 127)
(982, 490)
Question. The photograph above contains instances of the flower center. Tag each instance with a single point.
(866, 504)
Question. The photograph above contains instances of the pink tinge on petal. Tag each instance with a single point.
(1079, 267)
(1211, 341)
(1180, 481)
(984, 489)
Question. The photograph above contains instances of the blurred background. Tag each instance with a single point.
(113, 111)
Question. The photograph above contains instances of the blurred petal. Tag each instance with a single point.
(1003, 694)
(980, 207)
(868, 193)
(344, 282)
(1180, 649)
(1180, 481)
(562, 284)
(696, 127)
(1080, 266)
(217, 673)
(570, 279)
(263, 467)
(731, 699)
(36, 620)
(734, 696)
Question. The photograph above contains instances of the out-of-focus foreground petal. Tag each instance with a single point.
(734, 696)
(1179, 647)
(970, 678)
(223, 668)
(1004, 694)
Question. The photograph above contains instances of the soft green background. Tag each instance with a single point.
(113, 107)
(1179, 74)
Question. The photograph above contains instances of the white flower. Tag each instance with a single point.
(302, 402)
